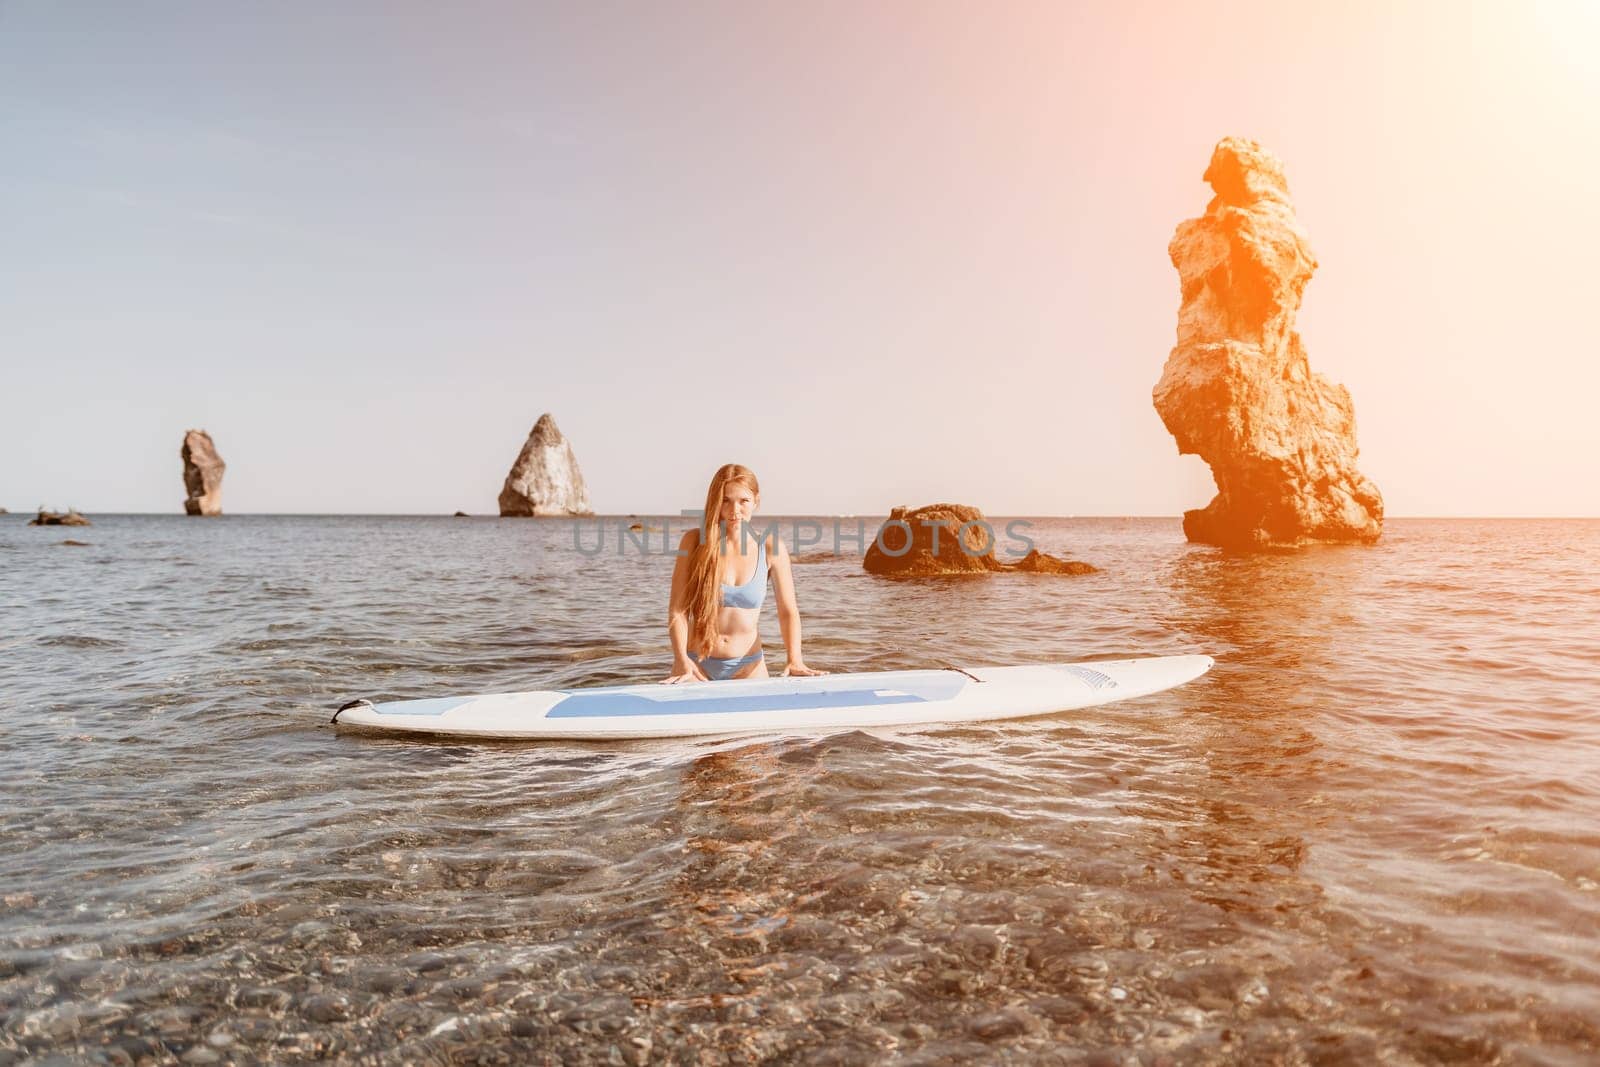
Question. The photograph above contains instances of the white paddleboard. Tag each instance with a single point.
(768, 705)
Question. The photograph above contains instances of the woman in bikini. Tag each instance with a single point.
(713, 617)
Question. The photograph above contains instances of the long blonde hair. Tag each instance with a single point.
(705, 565)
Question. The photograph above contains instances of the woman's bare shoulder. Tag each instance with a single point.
(690, 540)
(775, 546)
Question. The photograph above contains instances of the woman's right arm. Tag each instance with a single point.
(684, 669)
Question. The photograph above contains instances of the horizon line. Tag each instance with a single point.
(680, 517)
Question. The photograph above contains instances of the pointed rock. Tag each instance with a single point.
(1238, 391)
(545, 479)
(202, 474)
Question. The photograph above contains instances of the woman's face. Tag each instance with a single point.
(738, 503)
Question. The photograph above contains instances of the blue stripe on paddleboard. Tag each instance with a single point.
(579, 704)
(436, 706)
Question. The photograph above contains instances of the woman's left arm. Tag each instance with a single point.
(788, 609)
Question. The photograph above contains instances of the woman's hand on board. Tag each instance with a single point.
(797, 669)
(687, 671)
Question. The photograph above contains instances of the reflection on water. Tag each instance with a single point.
(1367, 835)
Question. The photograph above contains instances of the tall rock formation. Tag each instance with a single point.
(202, 474)
(545, 479)
(1237, 390)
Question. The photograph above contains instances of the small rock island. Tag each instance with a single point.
(545, 479)
(202, 474)
(70, 517)
(950, 539)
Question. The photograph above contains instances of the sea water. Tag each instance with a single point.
(1371, 833)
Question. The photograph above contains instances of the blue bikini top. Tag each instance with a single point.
(752, 593)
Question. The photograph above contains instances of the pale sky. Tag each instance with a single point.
(883, 253)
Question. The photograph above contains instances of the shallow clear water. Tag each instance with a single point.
(1373, 832)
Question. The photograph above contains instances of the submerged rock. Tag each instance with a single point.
(202, 474)
(1238, 391)
(545, 479)
(55, 518)
(1036, 562)
(950, 539)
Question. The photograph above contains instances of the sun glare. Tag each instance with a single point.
(1570, 31)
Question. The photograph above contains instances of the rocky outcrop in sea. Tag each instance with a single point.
(1238, 390)
(70, 517)
(952, 539)
(202, 474)
(545, 479)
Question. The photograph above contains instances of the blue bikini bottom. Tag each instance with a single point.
(720, 670)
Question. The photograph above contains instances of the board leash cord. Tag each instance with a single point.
(346, 707)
